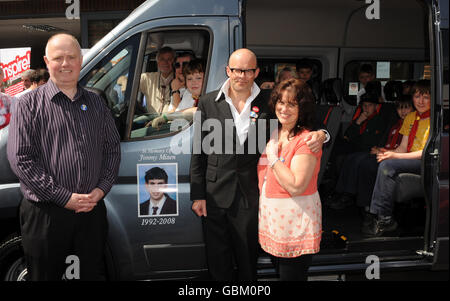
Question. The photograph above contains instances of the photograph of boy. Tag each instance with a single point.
(159, 202)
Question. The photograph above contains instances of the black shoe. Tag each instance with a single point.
(379, 227)
(346, 200)
(368, 219)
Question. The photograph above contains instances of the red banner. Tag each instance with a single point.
(14, 89)
(17, 66)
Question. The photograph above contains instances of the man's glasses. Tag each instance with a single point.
(245, 72)
(178, 65)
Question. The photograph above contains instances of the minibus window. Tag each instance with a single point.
(384, 71)
(166, 101)
(109, 79)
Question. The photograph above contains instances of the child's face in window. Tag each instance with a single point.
(422, 102)
(194, 83)
(364, 78)
(305, 74)
(368, 108)
(403, 110)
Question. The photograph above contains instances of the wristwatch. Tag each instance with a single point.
(327, 136)
(174, 91)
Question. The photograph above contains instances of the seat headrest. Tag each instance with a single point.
(332, 90)
(373, 87)
(393, 90)
(316, 90)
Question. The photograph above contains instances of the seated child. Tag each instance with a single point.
(193, 73)
(359, 170)
(366, 130)
(406, 158)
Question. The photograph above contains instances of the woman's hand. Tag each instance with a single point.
(272, 150)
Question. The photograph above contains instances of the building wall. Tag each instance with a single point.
(58, 7)
(96, 19)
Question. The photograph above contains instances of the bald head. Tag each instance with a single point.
(242, 70)
(63, 59)
(57, 38)
(243, 55)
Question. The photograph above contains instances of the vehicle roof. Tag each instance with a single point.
(156, 9)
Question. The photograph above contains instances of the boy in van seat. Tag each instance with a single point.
(365, 75)
(365, 130)
(385, 109)
(305, 72)
(193, 73)
(359, 171)
(406, 158)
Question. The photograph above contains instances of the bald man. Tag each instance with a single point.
(224, 186)
(64, 148)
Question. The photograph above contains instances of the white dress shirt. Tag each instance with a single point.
(159, 204)
(242, 120)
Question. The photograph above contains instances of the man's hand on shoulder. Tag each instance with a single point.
(314, 140)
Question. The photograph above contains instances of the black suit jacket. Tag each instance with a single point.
(170, 206)
(217, 176)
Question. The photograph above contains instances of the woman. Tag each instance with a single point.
(290, 215)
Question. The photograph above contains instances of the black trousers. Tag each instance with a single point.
(50, 234)
(232, 238)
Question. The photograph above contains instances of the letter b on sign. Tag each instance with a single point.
(373, 270)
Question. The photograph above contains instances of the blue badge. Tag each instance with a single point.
(253, 114)
(84, 107)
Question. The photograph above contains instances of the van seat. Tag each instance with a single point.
(332, 90)
(393, 90)
(408, 188)
(330, 116)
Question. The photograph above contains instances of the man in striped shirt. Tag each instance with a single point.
(65, 149)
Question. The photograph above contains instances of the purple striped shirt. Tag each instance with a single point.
(57, 146)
